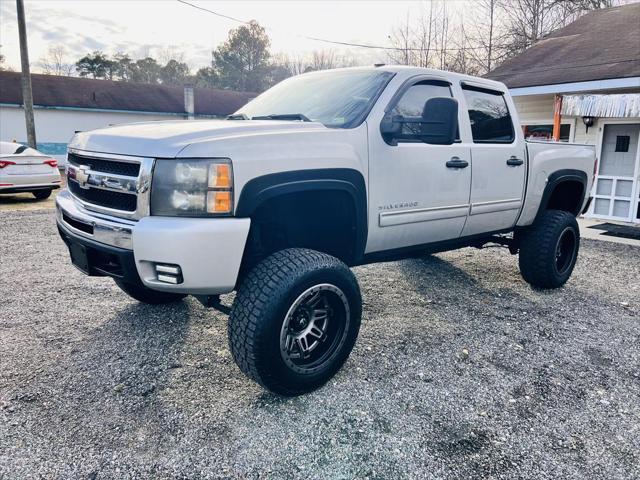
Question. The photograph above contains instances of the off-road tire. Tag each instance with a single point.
(264, 300)
(146, 295)
(42, 194)
(539, 247)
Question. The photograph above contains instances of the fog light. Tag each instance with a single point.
(169, 273)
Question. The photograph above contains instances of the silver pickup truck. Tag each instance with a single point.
(324, 171)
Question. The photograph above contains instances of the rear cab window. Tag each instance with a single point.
(489, 115)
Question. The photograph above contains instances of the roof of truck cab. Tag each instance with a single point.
(409, 71)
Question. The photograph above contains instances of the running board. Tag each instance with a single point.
(508, 242)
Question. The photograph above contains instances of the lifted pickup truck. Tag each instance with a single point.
(324, 171)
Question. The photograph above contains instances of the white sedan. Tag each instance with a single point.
(24, 169)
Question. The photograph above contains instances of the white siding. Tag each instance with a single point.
(534, 108)
(583, 136)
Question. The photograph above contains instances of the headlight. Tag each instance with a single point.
(192, 188)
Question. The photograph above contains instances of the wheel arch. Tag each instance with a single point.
(565, 190)
(350, 183)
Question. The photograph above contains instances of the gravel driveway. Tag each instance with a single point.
(461, 371)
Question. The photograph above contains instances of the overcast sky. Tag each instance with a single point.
(143, 27)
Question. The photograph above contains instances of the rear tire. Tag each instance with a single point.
(295, 320)
(549, 249)
(146, 295)
(42, 194)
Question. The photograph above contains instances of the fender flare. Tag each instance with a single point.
(266, 187)
(562, 176)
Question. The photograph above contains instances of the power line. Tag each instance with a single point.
(215, 13)
(399, 49)
(335, 42)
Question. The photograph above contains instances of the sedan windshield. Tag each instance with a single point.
(338, 99)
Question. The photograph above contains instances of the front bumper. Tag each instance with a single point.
(207, 250)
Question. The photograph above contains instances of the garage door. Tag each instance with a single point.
(617, 194)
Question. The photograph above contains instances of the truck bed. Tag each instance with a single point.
(545, 158)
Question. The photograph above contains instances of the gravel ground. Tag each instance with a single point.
(461, 371)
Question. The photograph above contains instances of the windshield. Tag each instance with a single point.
(339, 99)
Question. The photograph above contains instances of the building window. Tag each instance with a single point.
(545, 132)
(622, 143)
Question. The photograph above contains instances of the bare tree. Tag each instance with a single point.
(495, 30)
(462, 59)
(402, 42)
(56, 62)
(442, 33)
(3, 67)
(348, 60)
(322, 60)
(487, 35)
(530, 20)
(426, 37)
(165, 55)
(292, 64)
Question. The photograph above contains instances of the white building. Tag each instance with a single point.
(65, 105)
(586, 77)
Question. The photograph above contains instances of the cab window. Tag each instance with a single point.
(411, 104)
(489, 116)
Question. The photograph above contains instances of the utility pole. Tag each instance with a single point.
(27, 93)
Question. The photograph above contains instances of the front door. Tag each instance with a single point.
(414, 197)
(499, 163)
(617, 189)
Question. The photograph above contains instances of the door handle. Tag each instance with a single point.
(515, 162)
(456, 162)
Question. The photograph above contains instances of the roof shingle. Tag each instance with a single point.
(56, 91)
(600, 45)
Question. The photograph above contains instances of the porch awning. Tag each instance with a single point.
(615, 105)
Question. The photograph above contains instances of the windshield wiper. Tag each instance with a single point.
(237, 116)
(283, 116)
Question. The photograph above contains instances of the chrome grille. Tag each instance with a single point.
(105, 198)
(128, 169)
(116, 185)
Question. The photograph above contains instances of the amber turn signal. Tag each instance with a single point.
(221, 177)
(219, 202)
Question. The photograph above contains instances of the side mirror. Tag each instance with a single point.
(391, 128)
(440, 121)
(438, 124)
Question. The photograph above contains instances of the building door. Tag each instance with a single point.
(617, 190)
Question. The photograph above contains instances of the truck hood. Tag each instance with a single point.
(168, 139)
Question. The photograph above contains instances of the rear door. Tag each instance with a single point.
(414, 197)
(499, 162)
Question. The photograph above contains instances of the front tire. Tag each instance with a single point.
(42, 194)
(146, 295)
(295, 320)
(549, 249)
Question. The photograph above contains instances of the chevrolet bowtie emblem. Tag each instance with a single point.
(82, 177)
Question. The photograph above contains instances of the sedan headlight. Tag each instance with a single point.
(192, 188)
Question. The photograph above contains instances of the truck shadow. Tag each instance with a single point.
(110, 375)
(136, 347)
